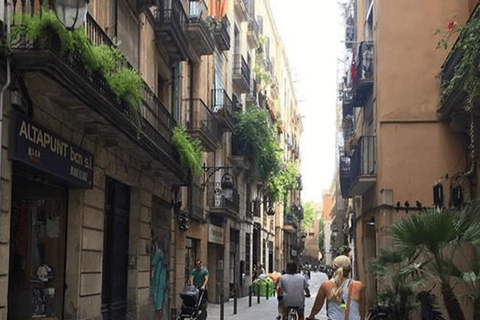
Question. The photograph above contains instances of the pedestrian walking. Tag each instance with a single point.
(291, 287)
(345, 298)
(199, 279)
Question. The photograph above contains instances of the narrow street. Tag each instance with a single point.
(266, 309)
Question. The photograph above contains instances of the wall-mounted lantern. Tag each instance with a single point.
(71, 13)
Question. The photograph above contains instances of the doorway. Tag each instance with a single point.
(115, 251)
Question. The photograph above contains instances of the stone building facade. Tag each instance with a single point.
(99, 218)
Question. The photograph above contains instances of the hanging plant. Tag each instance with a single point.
(258, 140)
(190, 150)
(282, 182)
(125, 83)
(466, 74)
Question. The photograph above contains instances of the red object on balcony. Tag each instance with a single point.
(353, 69)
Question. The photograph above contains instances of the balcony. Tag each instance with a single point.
(202, 123)
(47, 66)
(253, 32)
(255, 208)
(223, 109)
(171, 30)
(221, 33)
(241, 74)
(199, 34)
(347, 102)
(221, 204)
(195, 209)
(242, 9)
(289, 224)
(363, 81)
(357, 168)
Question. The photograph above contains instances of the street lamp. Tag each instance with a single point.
(71, 13)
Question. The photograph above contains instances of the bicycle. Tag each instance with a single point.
(291, 315)
(292, 312)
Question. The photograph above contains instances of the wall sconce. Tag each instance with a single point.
(182, 216)
(226, 184)
(71, 13)
(438, 195)
(371, 222)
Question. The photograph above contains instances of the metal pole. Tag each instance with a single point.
(234, 301)
(268, 292)
(250, 296)
(221, 307)
(258, 293)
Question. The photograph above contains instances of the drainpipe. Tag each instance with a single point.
(4, 88)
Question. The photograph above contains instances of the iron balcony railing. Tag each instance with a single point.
(253, 32)
(221, 32)
(356, 163)
(172, 12)
(220, 201)
(241, 72)
(171, 24)
(221, 102)
(158, 121)
(223, 109)
(202, 120)
(199, 34)
(363, 73)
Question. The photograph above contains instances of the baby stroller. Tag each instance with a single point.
(193, 304)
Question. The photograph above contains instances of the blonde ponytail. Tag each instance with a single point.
(342, 267)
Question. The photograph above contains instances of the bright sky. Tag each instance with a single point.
(310, 30)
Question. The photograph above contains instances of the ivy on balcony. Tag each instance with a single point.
(259, 141)
(469, 44)
(282, 182)
(190, 150)
(124, 81)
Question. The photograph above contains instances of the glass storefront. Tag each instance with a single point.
(37, 250)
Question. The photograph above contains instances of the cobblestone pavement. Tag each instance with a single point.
(266, 309)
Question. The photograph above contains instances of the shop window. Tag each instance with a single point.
(37, 250)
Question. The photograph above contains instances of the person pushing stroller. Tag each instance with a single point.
(199, 279)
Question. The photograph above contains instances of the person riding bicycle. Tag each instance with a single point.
(345, 297)
(199, 279)
(290, 291)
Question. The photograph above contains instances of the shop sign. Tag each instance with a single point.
(41, 148)
(215, 234)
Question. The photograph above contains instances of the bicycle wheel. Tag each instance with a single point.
(292, 315)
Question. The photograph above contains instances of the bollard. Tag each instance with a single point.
(221, 307)
(268, 292)
(250, 296)
(234, 301)
(258, 293)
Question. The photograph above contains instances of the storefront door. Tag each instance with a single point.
(37, 250)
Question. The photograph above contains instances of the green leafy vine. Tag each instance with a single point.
(190, 150)
(258, 141)
(282, 182)
(466, 73)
